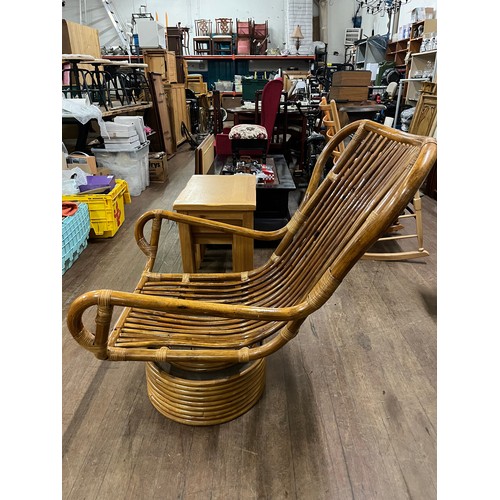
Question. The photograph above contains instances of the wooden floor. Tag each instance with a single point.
(349, 410)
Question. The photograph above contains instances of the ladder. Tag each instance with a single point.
(117, 24)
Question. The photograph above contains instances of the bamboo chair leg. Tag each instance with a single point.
(403, 255)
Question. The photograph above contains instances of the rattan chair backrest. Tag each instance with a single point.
(372, 181)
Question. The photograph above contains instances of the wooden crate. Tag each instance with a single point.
(349, 93)
(358, 78)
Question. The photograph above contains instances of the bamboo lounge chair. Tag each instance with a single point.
(204, 338)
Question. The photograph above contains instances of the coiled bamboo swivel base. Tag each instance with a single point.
(205, 398)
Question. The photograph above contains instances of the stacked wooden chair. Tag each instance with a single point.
(205, 338)
(260, 38)
(244, 36)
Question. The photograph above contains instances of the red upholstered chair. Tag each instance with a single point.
(253, 137)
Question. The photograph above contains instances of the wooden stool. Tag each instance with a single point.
(114, 72)
(99, 83)
(136, 84)
(223, 198)
(77, 81)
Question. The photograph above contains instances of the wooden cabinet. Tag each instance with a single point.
(415, 58)
(422, 65)
(163, 62)
(166, 139)
(396, 53)
(399, 52)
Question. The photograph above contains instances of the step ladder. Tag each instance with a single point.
(117, 24)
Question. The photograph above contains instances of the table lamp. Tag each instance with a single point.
(297, 34)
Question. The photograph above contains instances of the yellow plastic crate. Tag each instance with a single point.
(107, 211)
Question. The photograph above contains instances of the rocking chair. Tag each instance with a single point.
(413, 210)
(205, 338)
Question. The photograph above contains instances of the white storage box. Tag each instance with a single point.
(137, 122)
(121, 130)
(224, 86)
(130, 166)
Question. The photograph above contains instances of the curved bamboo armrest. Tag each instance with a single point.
(106, 300)
(158, 215)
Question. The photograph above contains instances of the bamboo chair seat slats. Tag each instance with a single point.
(224, 325)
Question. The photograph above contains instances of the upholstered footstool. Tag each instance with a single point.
(248, 137)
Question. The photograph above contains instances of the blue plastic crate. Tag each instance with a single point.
(75, 233)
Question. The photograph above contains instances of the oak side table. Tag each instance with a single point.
(223, 198)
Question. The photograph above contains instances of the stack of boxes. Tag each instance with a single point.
(350, 86)
(121, 137)
(125, 153)
(126, 133)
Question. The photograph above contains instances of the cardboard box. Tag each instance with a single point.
(104, 171)
(158, 170)
(85, 162)
(289, 76)
(430, 26)
(421, 13)
(357, 78)
(355, 94)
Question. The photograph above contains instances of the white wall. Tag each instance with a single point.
(185, 12)
(340, 14)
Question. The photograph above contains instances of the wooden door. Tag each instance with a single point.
(179, 110)
(161, 107)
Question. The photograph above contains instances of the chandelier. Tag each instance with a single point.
(381, 7)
